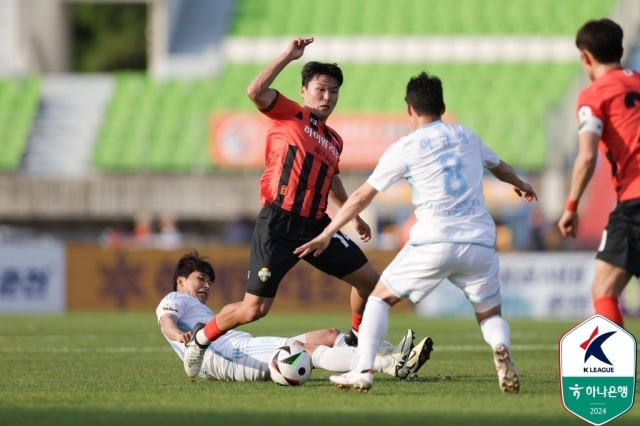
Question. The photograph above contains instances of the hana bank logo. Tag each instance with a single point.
(593, 349)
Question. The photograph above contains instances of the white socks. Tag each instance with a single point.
(382, 363)
(374, 327)
(339, 343)
(201, 338)
(495, 331)
(302, 338)
(338, 359)
(343, 359)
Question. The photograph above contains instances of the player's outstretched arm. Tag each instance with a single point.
(505, 173)
(338, 194)
(357, 202)
(583, 169)
(259, 90)
(169, 327)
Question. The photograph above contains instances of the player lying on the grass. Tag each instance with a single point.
(238, 356)
(454, 235)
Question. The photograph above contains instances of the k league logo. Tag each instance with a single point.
(598, 370)
(593, 348)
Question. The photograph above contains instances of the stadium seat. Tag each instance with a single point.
(376, 17)
(506, 104)
(163, 125)
(18, 106)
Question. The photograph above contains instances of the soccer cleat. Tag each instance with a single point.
(194, 353)
(420, 354)
(351, 339)
(507, 375)
(361, 382)
(400, 354)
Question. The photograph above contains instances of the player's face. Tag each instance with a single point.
(197, 284)
(320, 96)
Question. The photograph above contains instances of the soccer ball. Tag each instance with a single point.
(290, 366)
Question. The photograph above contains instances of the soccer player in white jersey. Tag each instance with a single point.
(238, 356)
(453, 237)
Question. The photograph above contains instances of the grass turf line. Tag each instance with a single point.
(116, 368)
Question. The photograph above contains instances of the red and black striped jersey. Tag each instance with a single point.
(615, 99)
(302, 155)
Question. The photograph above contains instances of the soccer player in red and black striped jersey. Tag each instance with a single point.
(609, 117)
(302, 166)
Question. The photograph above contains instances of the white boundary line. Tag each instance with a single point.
(133, 349)
(146, 349)
(66, 350)
(409, 49)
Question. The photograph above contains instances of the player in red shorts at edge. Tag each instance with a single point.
(609, 116)
(302, 156)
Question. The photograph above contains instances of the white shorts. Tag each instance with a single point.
(418, 270)
(241, 360)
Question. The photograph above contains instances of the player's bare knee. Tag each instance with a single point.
(481, 316)
(332, 334)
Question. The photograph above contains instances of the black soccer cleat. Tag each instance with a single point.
(351, 339)
(416, 359)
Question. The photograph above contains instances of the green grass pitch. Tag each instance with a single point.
(116, 369)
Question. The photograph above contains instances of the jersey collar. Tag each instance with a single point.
(433, 123)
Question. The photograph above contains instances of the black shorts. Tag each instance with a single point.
(278, 233)
(620, 245)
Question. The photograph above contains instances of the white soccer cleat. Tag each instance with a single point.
(399, 354)
(420, 354)
(194, 353)
(361, 382)
(507, 375)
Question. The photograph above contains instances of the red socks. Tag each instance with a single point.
(608, 307)
(356, 320)
(211, 330)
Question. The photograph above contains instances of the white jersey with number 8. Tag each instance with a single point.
(444, 164)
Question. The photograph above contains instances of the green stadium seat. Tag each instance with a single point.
(377, 17)
(163, 125)
(18, 106)
(506, 104)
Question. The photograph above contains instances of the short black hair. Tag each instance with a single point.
(189, 263)
(603, 39)
(313, 69)
(424, 94)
